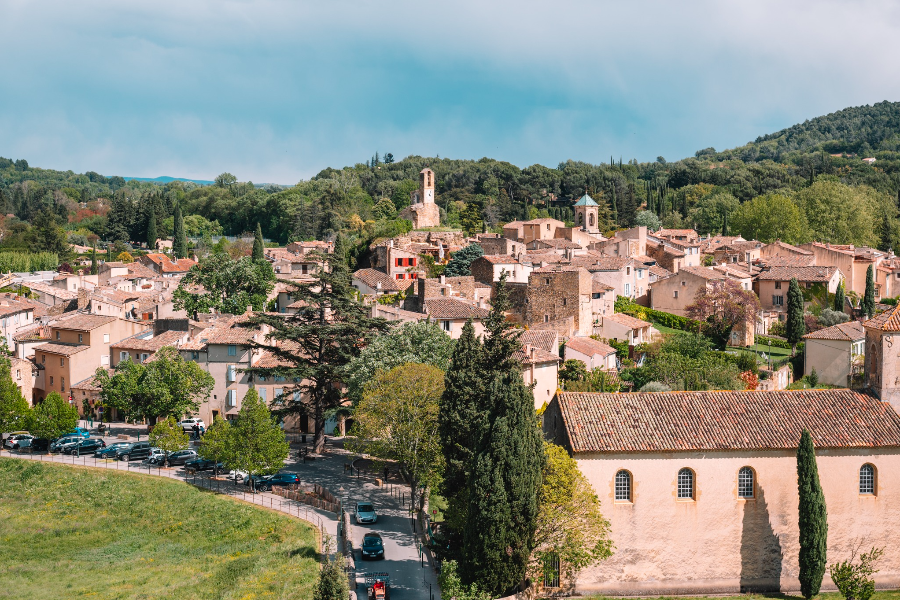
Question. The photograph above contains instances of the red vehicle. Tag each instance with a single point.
(379, 586)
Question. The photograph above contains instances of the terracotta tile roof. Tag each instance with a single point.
(532, 355)
(598, 287)
(451, 308)
(676, 232)
(545, 340)
(499, 259)
(89, 384)
(11, 306)
(886, 321)
(136, 270)
(115, 295)
(64, 349)
(82, 322)
(231, 333)
(589, 346)
(32, 333)
(609, 263)
(707, 421)
(703, 272)
(627, 320)
(166, 338)
(791, 248)
(541, 257)
(796, 260)
(660, 272)
(814, 274)
(557, 243)
(167, 265)
(851, 331)
(54, 291)
(372, 277)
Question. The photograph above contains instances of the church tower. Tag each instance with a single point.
(587, 215)
(422, 210)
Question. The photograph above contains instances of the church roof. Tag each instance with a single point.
(586, 201)
(711, 421)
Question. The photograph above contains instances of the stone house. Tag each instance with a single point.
(625, 328)
(166, 266)
(398, 263)
(677, 235)
(540, 229)
(834, 352)
(700, 488)
(451, 315)
(853, 262)
(593, 353)
(788, 254)
(627, 276)
(772, 283)
(603, 300)
(743, 253)
(16, 314)
(674, 294)
(559, 246)
(372, 282)
(487, 269)
(52, 296)
(494, 244)
(559, 297)
(540, 363)
(24, 373)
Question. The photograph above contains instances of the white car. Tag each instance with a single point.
(365, 513)
(242, 476)
(188, 424)
(14, 441)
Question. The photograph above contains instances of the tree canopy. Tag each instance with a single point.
(224, 284)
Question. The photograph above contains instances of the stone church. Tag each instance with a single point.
(700, 488)
(422, 210)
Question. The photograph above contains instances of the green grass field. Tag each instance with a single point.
(75, 533)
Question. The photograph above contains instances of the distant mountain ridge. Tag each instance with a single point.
(167, 179)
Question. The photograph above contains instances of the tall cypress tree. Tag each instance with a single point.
(813, 519)
(94, 268)
(795, 326)
(151, 231)
(504, 489)
(868, 303)
(179, 238)
(459, 418)
(839, 298)
(259, 246)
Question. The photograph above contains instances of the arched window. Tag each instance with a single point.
(745, 483)
(623, 485)
(867, 479)
(581, 218)
(686, 484)
(591, 219)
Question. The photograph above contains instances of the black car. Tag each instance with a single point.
(265, 483)
(57, 444)
(135, 450)
(201, 464)
(111, 450)
(87, 446)
(372, 546)
(175, 458)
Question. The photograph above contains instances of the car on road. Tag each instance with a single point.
(202, 464)
(372, 546)
(34, 445)
(132, 451)
(87, 446)
(80, 431)
(14, 442)
(265, 483)
(239, 476)
(57, 444)
(188, 424)
(175, 458)
(111, 450)
(365, 513)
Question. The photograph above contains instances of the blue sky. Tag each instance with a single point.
(276, 90)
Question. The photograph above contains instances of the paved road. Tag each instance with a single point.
(410, 573)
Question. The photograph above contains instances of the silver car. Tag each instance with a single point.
(365, 512)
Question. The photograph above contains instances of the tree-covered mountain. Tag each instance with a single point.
(801, 183)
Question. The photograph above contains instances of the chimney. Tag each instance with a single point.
(443, 279)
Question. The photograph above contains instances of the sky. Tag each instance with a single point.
(274, 91)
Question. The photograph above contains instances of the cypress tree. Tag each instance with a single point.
(504, 489)
(151, 231)
(725, 224)
(795, 326)
(94, 268)
(259, 245)
(839, 298)
(813, 519)
(179, 238)
(868, 303)
(459, 418)
(887, 234)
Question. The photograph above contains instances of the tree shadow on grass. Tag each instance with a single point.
(304, 552)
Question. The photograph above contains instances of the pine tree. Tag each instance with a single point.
(868, 303)
(151, 232)
(179, 238)
(504, 489)
(813, 519)
(839, 298)
(94, 268)
(795, 326)
(459, 418)
(259, 246)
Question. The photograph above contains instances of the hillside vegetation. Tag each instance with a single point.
(71, 533)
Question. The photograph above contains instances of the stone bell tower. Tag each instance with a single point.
(883, 356)
(587, 214)
(422, 210)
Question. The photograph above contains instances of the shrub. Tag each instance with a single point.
(829, 317)
(813, 378)
(746, 361)
(854, 581)
(777, 328)
(655, 386)
(764, 340)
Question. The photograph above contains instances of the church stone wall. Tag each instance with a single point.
(722, 544)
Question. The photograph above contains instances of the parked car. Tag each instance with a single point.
(111, 450)
(135, 450)
(372, 546)
(202, 464)
(79, 431)
(84, 446)
(175, 458)
(10, 434)
(34, 445)
(154, 452)
(13, 442)
(188, 424)
(242, 476)
(57, 444)
(265, 483)
(365, 513)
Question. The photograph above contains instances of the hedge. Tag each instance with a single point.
(765, 340)
(624, 305)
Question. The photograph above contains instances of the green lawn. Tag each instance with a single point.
(70, 532)
(886, 595)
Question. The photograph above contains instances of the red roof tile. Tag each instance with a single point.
(706, 421)
(850, 332)
(814, 274)
(589, 346)
(886, 321)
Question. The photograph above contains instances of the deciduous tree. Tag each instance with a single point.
(260, 447)
(14, 409)
(53, 417)
(168, 436)
(724, 305)
(771, 217)
(219, 282)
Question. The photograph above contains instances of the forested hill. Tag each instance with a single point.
(860, 130)
(818, 188)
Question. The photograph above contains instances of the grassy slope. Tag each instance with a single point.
(883, 595)
(69, 533)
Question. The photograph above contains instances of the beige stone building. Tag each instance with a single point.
(674, 294)
(835, 352)
(700, 488)
(559, 298)
(593, 353)
(625, 328)
(540, 364)
(487, 269)
(772, 283)
(422, 210)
